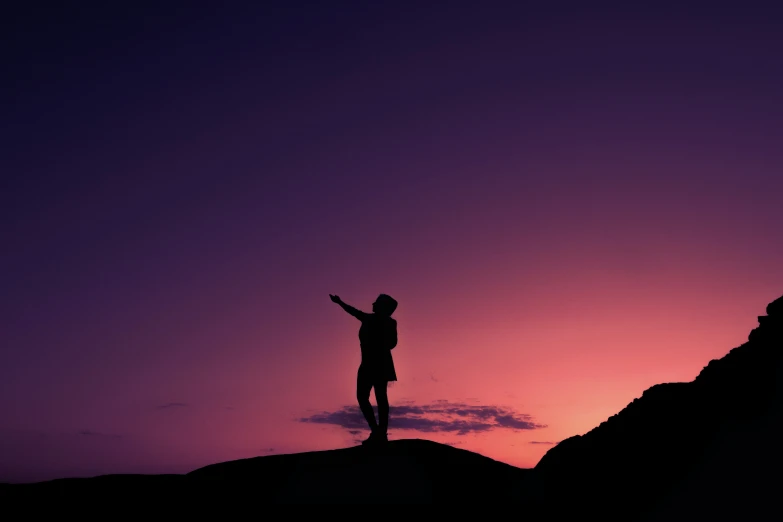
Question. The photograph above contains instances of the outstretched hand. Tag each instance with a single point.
(335, 298)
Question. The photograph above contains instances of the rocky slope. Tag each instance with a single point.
(671, 451)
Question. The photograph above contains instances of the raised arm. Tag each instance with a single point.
(348, 308)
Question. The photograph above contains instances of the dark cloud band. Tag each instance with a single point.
(439, 416)
(172, 405)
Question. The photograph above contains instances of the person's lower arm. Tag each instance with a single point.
(348, 308)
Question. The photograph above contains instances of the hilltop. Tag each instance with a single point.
(411, 470)
(403, 471)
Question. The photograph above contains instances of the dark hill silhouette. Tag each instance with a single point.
(411, 470)
(402, 471)
(708, 449)
(704, 448)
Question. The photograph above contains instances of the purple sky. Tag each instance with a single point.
(570, 205)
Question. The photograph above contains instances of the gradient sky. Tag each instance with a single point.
(570, 205)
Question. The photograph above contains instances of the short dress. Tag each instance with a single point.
(377, 337)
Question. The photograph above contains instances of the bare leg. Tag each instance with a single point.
(363, 388)
(382, 399)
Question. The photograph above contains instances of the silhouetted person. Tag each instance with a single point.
(377, 337)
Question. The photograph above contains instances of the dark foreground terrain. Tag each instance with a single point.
(709, 449)
(403, 471)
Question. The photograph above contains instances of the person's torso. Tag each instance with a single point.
(375, 336)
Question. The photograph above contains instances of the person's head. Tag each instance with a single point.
(384, 305)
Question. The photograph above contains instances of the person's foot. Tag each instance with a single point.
(370, 439)
(376, 437)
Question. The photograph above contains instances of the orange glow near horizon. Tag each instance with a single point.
(569, 360)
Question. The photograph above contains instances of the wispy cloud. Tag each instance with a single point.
(90, 433)
(172, 405)
(542, 442)
(439, 416)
